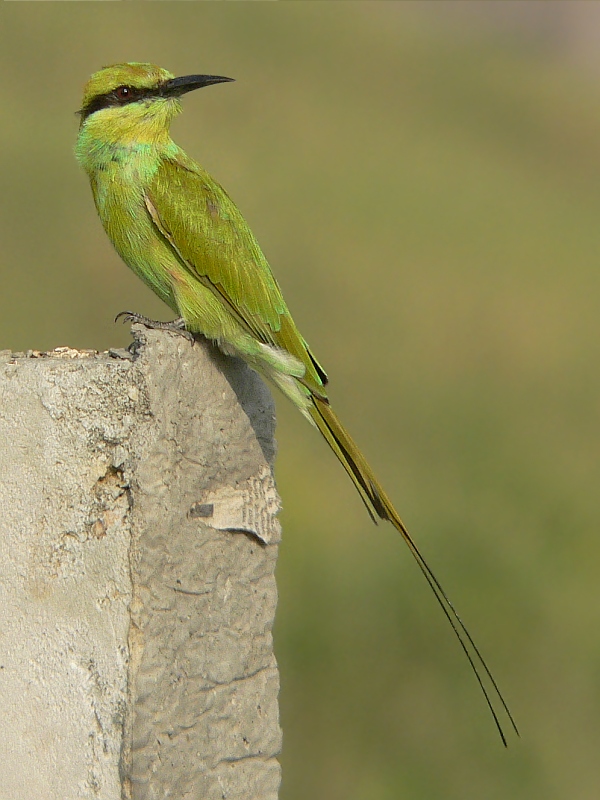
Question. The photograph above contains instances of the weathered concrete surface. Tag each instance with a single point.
(138, 538)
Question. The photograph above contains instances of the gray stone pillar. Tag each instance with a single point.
(138, 539)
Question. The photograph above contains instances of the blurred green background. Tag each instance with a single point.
(426, 184)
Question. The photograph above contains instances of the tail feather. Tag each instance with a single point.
(380, 506)
(346, 451)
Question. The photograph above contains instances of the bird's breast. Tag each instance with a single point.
(119, 190)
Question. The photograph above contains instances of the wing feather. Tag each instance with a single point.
(208, 233)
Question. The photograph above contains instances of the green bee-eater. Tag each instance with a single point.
(179, 231)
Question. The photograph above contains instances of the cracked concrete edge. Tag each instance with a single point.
(136, 651)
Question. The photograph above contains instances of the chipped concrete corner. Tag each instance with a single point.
(138, 540)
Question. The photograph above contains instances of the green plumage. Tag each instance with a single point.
(180, 232)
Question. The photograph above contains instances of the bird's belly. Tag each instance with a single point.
(145, 257)
(135, 239)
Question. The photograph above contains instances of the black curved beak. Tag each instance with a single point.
(187, 83)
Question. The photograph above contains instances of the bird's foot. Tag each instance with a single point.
(175, 326)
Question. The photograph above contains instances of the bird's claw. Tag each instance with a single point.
(175, 326)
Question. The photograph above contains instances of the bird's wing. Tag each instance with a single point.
(208, 233)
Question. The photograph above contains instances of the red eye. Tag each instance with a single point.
(123, 92)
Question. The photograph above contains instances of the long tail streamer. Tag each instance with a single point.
(380, 506)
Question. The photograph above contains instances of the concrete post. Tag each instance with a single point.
(138, 539)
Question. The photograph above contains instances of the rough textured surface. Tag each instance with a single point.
(138, 539)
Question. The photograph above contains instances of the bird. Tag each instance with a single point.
(180, 232)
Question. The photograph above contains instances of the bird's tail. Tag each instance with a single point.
(380, 506)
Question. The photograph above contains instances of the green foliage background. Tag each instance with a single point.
(430, 202)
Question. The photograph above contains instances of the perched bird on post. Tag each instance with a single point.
(180, 232)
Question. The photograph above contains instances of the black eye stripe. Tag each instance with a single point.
(113, 99)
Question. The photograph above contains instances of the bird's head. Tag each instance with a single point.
(135, 102)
